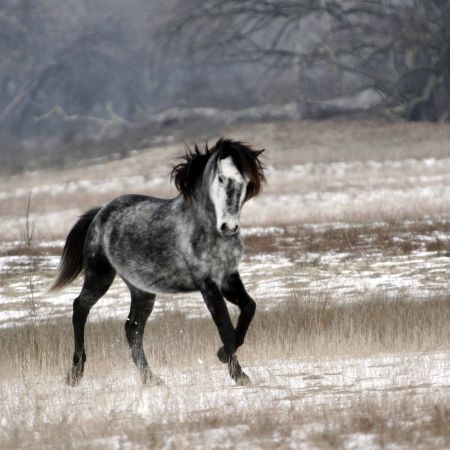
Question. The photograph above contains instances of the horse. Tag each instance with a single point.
(184, 244)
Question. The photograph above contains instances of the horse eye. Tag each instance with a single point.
(221, 179)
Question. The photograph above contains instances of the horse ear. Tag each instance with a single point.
(219, 143)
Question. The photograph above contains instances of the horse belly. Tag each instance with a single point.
(151, 277)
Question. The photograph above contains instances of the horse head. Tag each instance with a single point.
(220, 180)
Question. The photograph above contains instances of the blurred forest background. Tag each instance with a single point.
(93, 78)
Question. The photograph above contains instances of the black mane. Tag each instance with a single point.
(187, 173)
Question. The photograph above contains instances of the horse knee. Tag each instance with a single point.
(249, 308)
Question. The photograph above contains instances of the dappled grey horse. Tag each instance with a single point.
(188, 243)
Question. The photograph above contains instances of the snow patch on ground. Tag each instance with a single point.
(312, 387)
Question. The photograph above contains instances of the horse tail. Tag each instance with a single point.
(71, 263)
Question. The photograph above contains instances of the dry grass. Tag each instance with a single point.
(300, 328)
(393, 238)
(39, 412)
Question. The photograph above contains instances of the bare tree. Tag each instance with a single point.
(69, 72)
(400, 48)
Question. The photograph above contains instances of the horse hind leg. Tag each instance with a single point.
(99, 276)
(140, 310)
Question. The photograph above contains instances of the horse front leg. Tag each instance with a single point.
(234, 291)
(215, 302)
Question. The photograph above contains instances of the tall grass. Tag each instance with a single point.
(298, 328)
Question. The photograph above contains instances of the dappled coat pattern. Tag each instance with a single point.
(188, 243)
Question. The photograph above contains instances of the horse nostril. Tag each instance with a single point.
(225, 229)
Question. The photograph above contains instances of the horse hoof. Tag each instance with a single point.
(222, 355)
(242, 379)
(236, 373)
(153, 381)
(156, 381)
(74, 376)
(148, 379)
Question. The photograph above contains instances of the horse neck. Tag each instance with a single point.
(201, 209)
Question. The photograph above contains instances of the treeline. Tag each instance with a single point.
(84, 78)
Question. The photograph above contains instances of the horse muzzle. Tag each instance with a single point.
(227, 229)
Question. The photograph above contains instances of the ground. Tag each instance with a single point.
(347, 256)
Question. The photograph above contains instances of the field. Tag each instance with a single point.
(347, 257)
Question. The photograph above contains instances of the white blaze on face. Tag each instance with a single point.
(227, 192)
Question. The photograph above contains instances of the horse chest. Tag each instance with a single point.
(217, 258)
